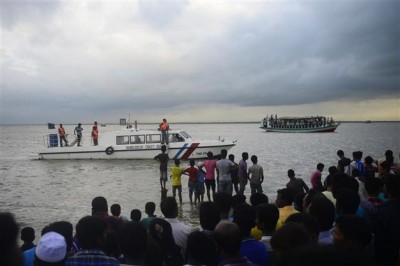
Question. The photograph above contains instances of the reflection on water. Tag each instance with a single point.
(40, 192)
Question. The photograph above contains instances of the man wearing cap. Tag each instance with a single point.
(51, 250)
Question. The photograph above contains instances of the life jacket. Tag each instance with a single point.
(164, 126)
(61, 131)
(95, 133)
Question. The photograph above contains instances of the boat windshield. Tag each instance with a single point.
(176, 138)
(186, 135)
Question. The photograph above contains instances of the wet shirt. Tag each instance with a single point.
(256, 174)
(176, 172)
(192, 171)
(224, 168)
(163, 158)
(78, 131)
(242, 173)
(210, 166)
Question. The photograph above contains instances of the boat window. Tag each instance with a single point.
(137, 139)
(122, 140)
(175, 138)
(186, 135)
(153, 138)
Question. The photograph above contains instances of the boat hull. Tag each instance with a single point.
(183, 151)
(301, 130)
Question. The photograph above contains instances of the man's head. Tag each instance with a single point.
(99, 204)
(209, 215)
(254, 159)
(163, 148)
(228, 238)
(27, 234)
(150, 208)
(340, 153)
(132, 240)
(290, 173)
(115, 210)
(245, 156)
(244, 216)
(284, 198)
(90, 232)
(224, 153)
(320, 167)
(169, 207)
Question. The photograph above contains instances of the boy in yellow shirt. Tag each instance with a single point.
(176, 172)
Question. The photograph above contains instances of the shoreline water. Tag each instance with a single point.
(40, 192)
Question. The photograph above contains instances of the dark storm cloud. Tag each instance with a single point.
(96, 58)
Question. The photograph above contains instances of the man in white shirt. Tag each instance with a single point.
(180, 231)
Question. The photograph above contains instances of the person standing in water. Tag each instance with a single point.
(163, 159)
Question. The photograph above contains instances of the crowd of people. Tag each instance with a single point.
(351, 218)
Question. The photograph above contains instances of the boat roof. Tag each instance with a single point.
(141, 131)
(300, 117)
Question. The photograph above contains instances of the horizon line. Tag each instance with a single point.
(198, 122)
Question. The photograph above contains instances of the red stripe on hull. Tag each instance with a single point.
(192, 147)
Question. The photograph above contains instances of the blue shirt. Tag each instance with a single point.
(29, 256)
(255, 251)
(91, 257)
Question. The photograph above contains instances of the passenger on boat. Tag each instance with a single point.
(61, 133)
(95, 136)
(78, 132)
(164, 127)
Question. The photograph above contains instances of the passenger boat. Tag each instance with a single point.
(302, 124)
(132, 143)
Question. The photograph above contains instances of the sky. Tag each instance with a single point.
(198, 61)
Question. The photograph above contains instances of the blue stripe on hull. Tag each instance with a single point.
(180, 151)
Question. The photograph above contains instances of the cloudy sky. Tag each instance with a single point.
(80, 61)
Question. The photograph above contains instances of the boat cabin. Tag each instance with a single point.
(133, 137)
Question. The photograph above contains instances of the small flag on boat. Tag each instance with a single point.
(51, 125)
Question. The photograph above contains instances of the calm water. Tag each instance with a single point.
(40, 192)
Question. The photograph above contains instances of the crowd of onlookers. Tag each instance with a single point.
(352, 218)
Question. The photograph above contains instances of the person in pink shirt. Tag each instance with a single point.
(316, 177)
(210, 165)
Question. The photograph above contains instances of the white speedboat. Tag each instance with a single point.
(135, 144)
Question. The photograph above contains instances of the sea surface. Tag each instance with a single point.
(39, 192)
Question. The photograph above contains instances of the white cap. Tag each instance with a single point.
(51, 247)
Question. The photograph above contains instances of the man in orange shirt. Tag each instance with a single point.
(95, 134)
(61, 133)
(164, 127)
